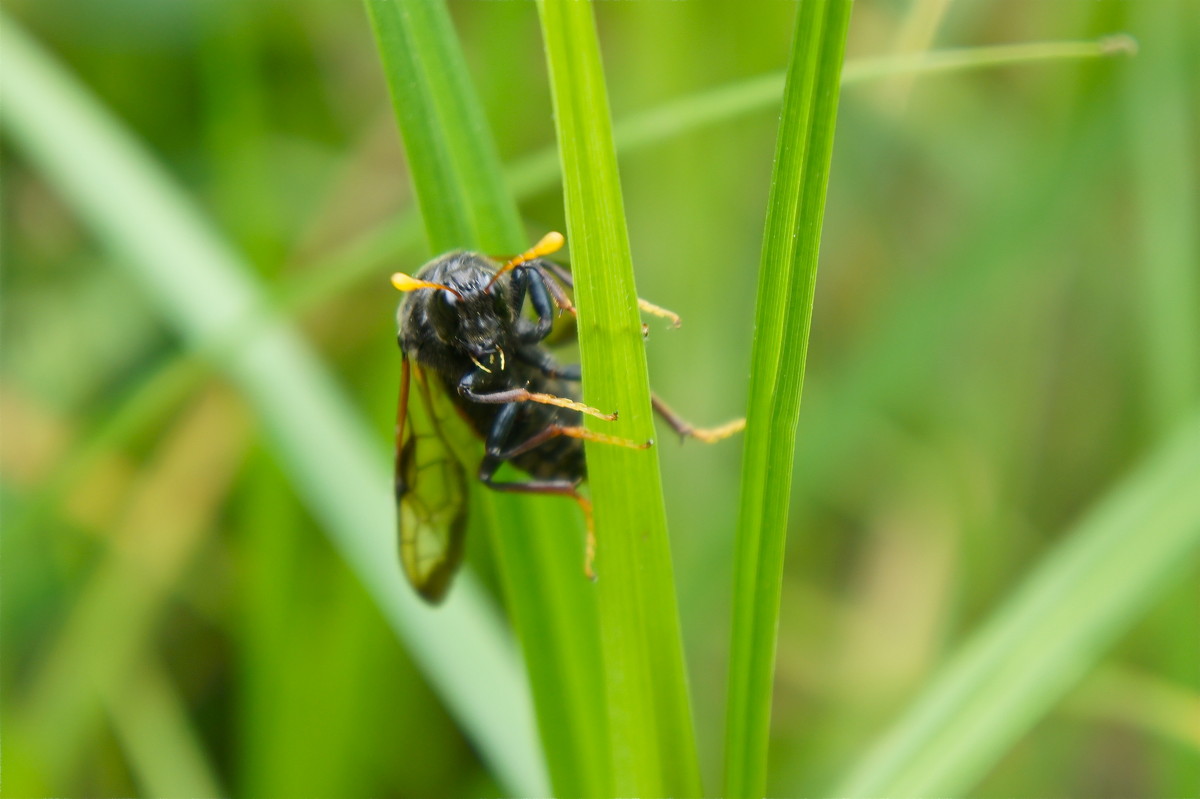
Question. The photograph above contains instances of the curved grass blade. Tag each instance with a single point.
(787, 280)
(1123, 555)
(649, 715)
(538, 540)
(204, 289)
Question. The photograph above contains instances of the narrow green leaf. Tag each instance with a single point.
(649, 716)
(205, 290)
(1162, 131)
(1129, 550)
(785, 297)
(151, 722)
(453, 160)
(964, 59)
(538, 540)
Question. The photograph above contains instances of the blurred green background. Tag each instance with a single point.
(1006, 322)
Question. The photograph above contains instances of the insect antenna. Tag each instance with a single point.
(403, 282)
(551, 242)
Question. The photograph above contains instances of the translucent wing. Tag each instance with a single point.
(431, 492)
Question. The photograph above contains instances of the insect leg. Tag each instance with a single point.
(532, 281)
(563, 488)
(547, 268)
(563, 275)
(524, 395)
(686, 429)
(570, 431)
(645, 305)
(657, 310)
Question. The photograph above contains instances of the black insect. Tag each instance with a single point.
(476, 356)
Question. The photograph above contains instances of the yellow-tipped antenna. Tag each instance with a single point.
(404, 282)
(551, 242)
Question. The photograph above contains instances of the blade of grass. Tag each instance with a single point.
(203, 288)
(649, 715)
(916, 31)
(465, 204)
(1160, 128)
(1106, 572)
(783, 317)
(970, 58)
(1142, 701)
(150, 720)
(451, 155)
(539, 171)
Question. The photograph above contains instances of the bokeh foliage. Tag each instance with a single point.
(1005, 327)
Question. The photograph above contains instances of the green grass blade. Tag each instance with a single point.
(965, 59)
(466, 204)
(453, 160)
(203, 288)
(1144, 701)
(1107, 572)
(165, 751)
(1162, 135)
(785, 296)
(649, 715)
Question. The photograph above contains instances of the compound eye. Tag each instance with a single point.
(444, 313)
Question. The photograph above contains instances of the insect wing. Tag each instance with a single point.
(431, 492)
